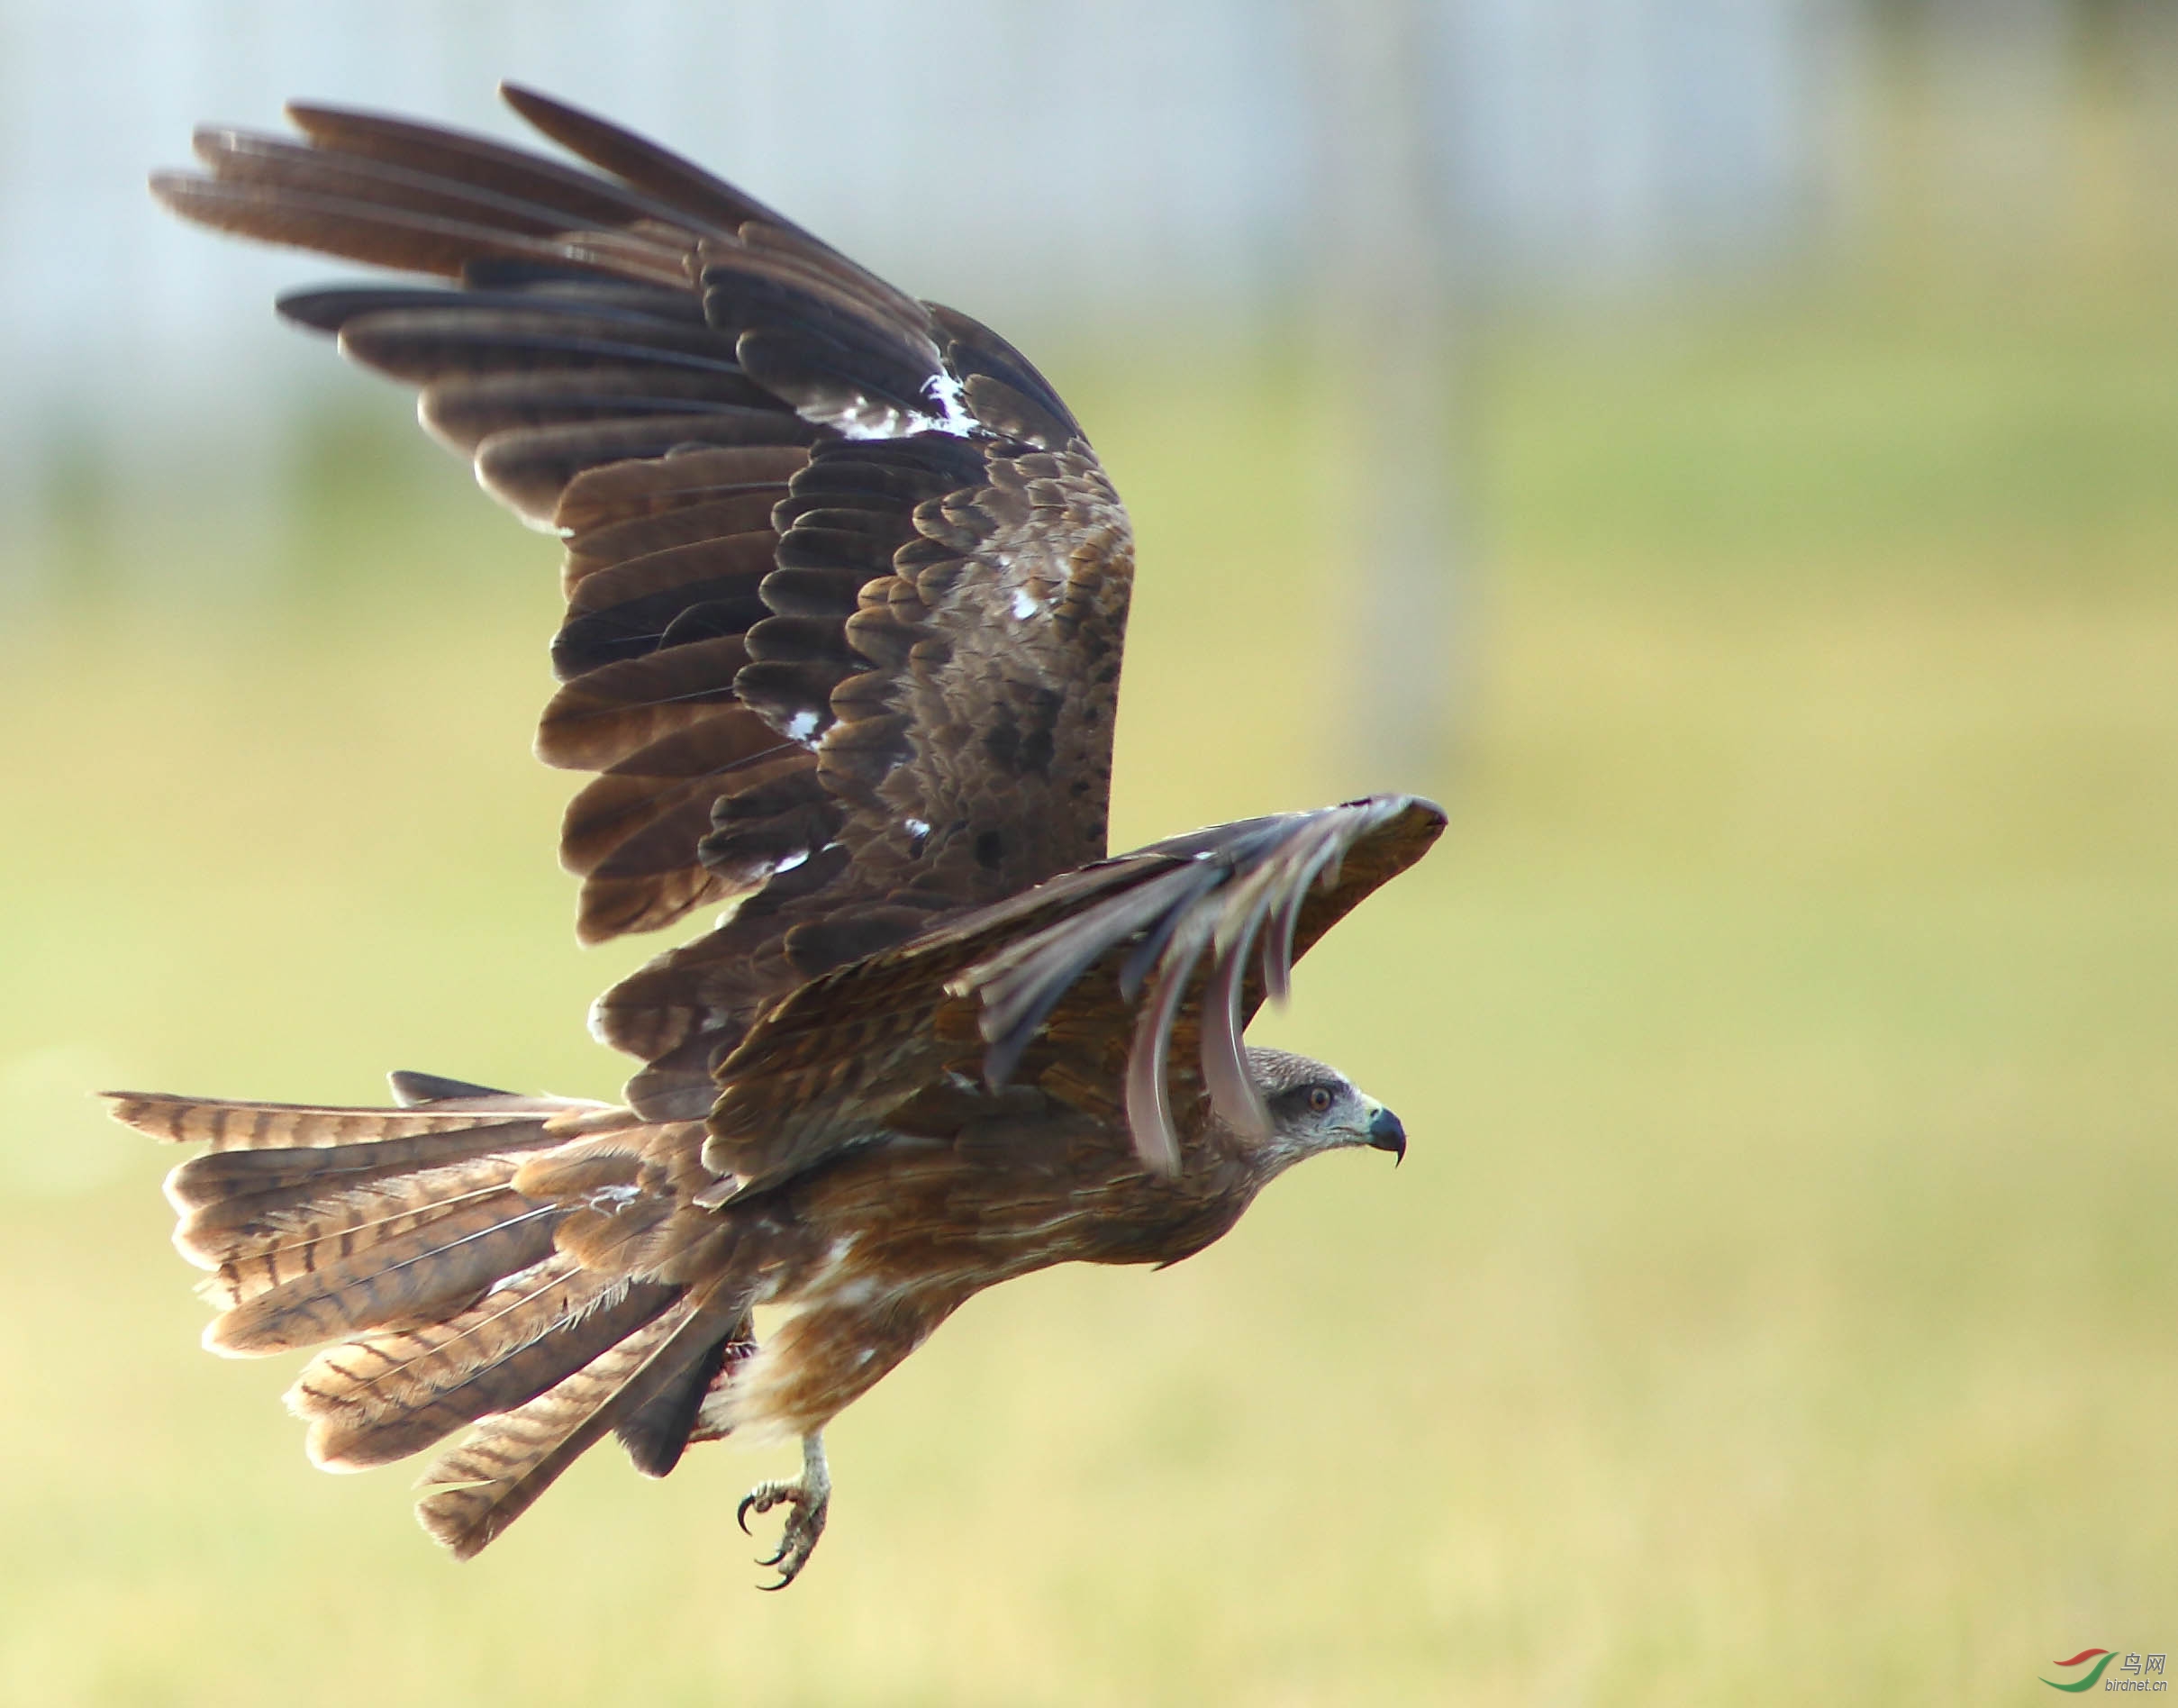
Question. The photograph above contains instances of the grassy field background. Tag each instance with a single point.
(1779, 1303)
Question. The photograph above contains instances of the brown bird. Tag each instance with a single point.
(847, 590)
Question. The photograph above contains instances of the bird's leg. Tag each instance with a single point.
(809, 1495)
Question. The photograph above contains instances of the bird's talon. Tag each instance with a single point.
(808, 1499)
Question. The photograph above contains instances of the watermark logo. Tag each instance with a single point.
(2135, 1671)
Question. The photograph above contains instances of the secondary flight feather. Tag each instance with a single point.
(847, 596)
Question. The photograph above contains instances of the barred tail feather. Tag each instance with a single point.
(480, 1258)
(228, 1125)
(438, 1267)
(232, 1181)
(381, 1399)
(480, 1488)
(255, 1242)
(321, 1223)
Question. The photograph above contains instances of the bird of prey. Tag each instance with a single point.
(847, 589)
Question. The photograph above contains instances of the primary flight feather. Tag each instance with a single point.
(847, 594)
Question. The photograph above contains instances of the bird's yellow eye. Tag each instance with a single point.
(1318, 1099)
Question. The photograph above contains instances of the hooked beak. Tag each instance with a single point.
(1385, 1133)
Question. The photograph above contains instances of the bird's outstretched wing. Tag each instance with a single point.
(847, 588)
(1135, 975)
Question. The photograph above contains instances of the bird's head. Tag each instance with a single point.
(1314, 1108)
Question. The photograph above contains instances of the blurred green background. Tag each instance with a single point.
(1777, 1303)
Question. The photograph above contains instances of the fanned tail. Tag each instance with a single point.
(320, 1223)
(463, 1287)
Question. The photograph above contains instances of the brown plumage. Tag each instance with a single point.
(847, 592)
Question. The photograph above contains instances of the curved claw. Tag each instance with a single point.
(807, 1498)
(787, 1574)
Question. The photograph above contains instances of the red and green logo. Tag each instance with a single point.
(2092, 1676)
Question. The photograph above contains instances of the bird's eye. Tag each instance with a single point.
(1319, 1100)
